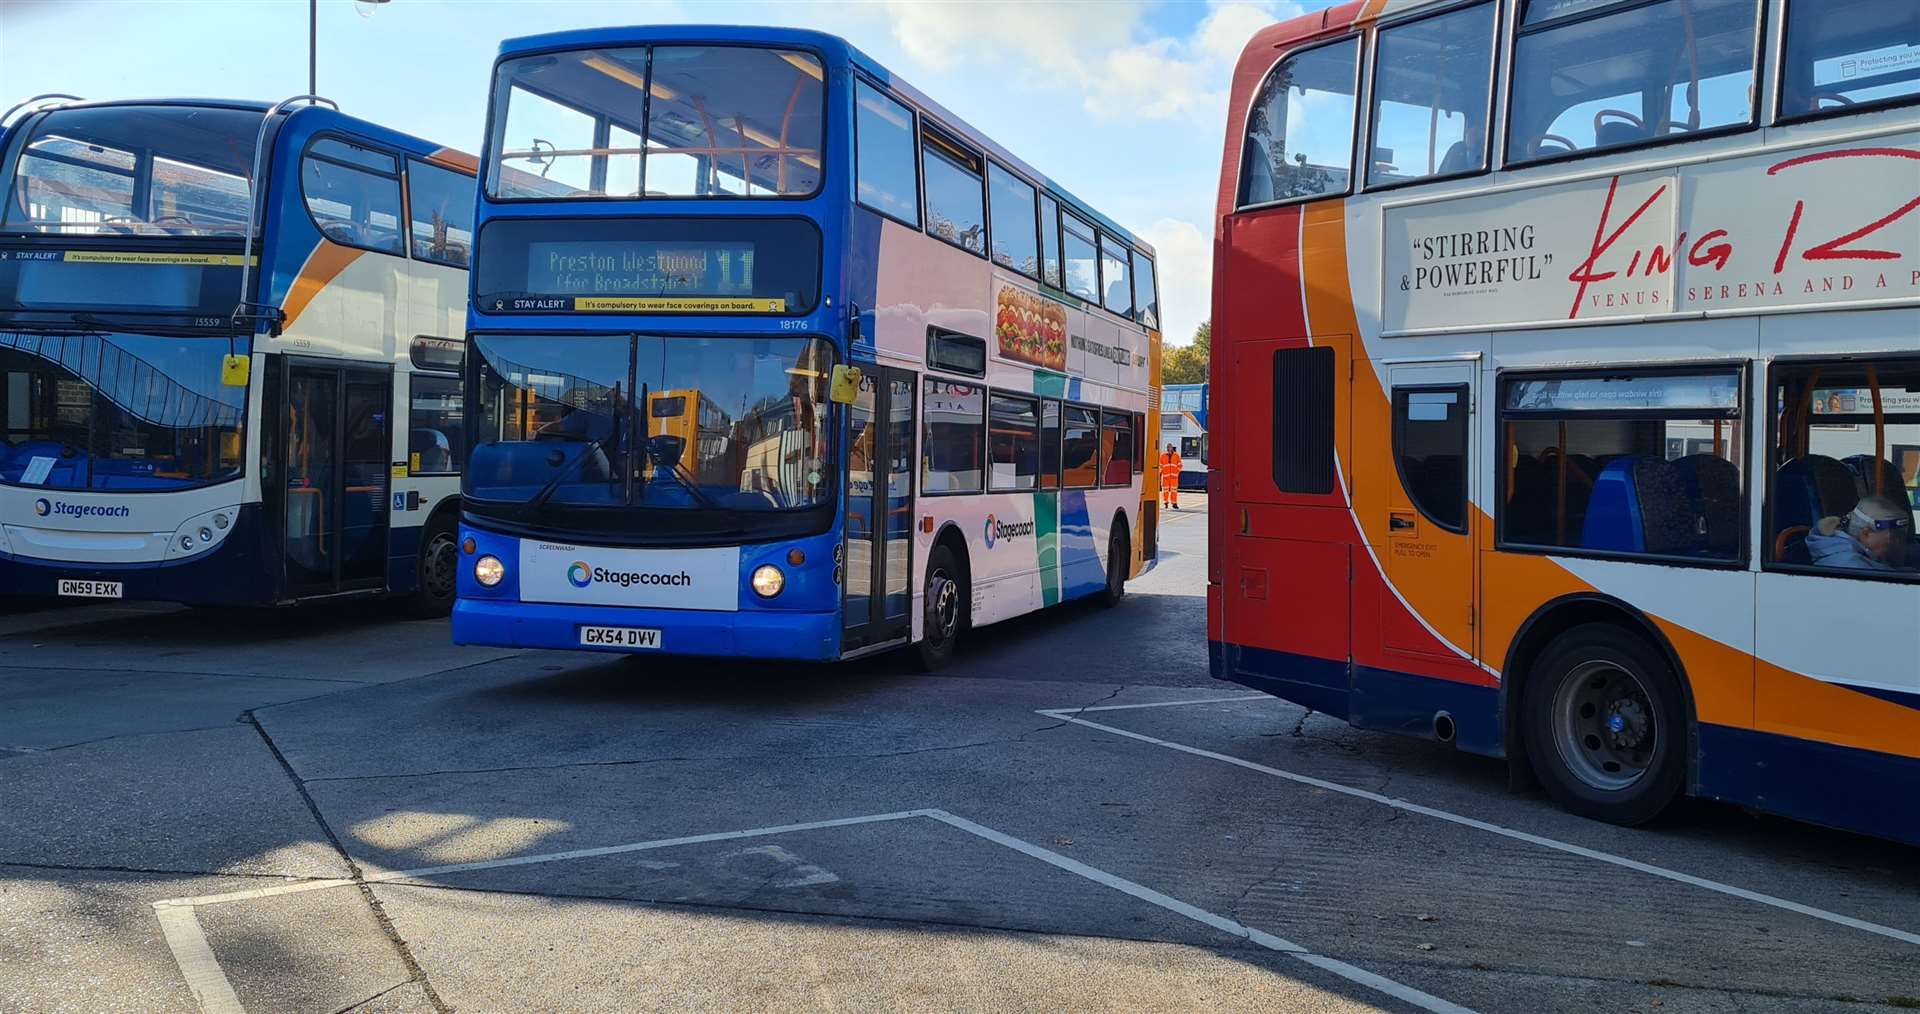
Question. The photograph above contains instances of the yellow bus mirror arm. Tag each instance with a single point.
(235, 370)
(846, 385)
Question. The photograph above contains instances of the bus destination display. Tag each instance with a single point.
(627, 276)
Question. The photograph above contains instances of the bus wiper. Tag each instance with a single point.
(553, 485)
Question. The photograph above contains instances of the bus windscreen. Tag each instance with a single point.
(661, 121)
(133, 170)
(649, 265)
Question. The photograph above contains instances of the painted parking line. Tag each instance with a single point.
(1891, 933)
(215, 995)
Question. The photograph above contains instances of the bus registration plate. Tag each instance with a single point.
(620, 637)
(76, 588)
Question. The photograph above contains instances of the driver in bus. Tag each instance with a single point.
(1873, 536)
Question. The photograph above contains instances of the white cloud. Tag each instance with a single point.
(1183, 255)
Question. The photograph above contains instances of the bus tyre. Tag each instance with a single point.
(946, 610)
(1606, 726)
(434, 573)
(1119, 562)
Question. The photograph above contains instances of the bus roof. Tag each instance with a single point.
(327, 116)
(1267, 46)
(837, 51)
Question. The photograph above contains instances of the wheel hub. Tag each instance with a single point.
(1604, 725)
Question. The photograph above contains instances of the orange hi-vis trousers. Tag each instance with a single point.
(1170, 481)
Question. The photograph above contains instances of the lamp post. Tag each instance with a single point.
(313, 41)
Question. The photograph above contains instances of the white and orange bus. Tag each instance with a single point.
(1578, 343)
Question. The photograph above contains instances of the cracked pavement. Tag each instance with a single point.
(150, 753)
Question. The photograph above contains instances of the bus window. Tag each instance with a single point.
(1289, 154)
(1146, 302)
(1116, 448)
(436, 427)
(1080, 448)
(1050, 445)
(440, 203)
(1015, 242)
(1430, 449)
(1430, 97)
(1604, 464)
(1082, 266)
(1117, 292)
(1849, 430)
(951, 443)
(883, 136)
(135, 170)
(1586, 78)
(1050, 241)
(353, 194)
(1015, 442)
(954, 202)
(720, 121)
(1847, 54)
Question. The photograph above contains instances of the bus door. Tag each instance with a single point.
(1430, 521)
(334, 443)
(878, 589)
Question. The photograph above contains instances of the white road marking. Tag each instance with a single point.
(215, 994)
(1399, 991)
(190, 951)
(1066, 715)
(1243, 699)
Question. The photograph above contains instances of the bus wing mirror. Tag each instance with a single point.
(846, 385)
(235, 371)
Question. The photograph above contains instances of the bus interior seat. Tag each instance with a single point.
(1891, 483)
(1640, 505)
(1713, 485)
(1614, 133)
(1790, 546)
(1535, 498)
(1458, 159)
(435, 451)
(1810, 488)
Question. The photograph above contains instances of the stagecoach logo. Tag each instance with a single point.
(44, 508)
(996, 530)
(580, 575)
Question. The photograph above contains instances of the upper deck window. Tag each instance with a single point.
(1050, 241)
(1592, 76)
(883, 135)
(1844, 54)
(441, 202)
(353, 194)
(661, 121)
(134, 171)
(1015, 243)
(1430, 97)
(955, 208)
(1082, 263)
(1116, 291)
(1146, 302)
(1300, 131)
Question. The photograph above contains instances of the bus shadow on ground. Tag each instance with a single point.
(224, 626)
(754, 684)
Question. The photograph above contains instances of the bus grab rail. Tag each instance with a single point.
(251, 311)
(42, 99)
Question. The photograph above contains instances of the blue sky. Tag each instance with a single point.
(1121, 102)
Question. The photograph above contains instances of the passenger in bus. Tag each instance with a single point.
(1873, 536)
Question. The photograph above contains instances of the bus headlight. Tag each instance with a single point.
(489, 571)
(767, 581)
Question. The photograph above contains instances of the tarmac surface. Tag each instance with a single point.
(328, 810)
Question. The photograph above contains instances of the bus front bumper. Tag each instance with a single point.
(799, 636)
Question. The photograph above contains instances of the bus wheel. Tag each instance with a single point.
(946, 605)
(434, 580)
(1119, 561)
(1606, 725)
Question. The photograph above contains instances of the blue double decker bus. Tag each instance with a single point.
(771, 356)
(230, 348)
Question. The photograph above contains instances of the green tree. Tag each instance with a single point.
(1187, 364)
